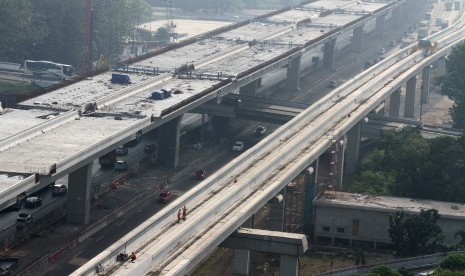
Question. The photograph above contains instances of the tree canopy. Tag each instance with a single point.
(417, 234)
(453, 84)
(406, 164)
(55, 29)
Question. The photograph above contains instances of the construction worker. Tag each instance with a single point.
(179, 215)
(133, 257)
(184, 212)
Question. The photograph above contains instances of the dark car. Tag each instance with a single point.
(200, 174)
(23, 220)
(164, 196)
(33, 201)
(260, 131)
(150, 148)
(332, 84)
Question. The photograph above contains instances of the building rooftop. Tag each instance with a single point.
(389, 204)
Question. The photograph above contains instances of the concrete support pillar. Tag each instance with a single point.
(310, 194)
(241, 262)
(78, 205)
(168, 142)
(425, 84)
(394, 104)
(342, 152)
(277, 213)
(288, 245)
(380, 26)
(250, 89)
(410, 97)
(221, 126)
(329, 55)
(353, 147)
(293, 74)
(242, 256)
(337, 163)
(289, 265)
(357, 41)
(396, 18)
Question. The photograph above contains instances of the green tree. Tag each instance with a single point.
(21, 30)
(371, 182)
(418, 234)
(453, 262)
(383, 270)
(162, 35)
(444, 172)
(65, 40)
(405, 151)
(453, 84)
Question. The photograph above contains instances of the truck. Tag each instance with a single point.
(161, 94)
(108, 160)
(6, 264)
(427, 46)
(449, 5)
(120, 78)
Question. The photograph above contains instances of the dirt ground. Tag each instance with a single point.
(436, 112)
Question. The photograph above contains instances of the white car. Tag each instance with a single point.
(121, 165)
(238, 146)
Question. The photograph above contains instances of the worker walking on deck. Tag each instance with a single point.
(179, 215)
(184, 212)
(133, 257)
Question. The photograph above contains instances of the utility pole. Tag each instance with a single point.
(169, 18)
(88, 61)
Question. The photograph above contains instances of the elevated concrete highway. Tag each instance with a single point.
(223, 202)
(84, 120)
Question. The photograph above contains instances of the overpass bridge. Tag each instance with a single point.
(223, 202)
(280, 112)
(61, 132)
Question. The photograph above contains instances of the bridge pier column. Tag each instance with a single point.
(380, 26)
(337, 163)
(168, 142)
(353, 148)
(289, 265)
(310, 194)
(220, 126)
(78, 205)
(250, 89)
(241, 264)
(293, 74)
(329, 55)
(396, 18)
(288, 245)
(357, 42)
(394, 104)
(425, 84)
(277, 213)
(411, 86)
